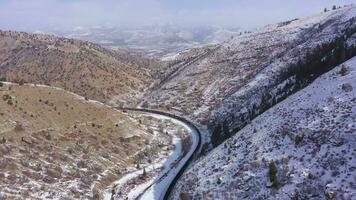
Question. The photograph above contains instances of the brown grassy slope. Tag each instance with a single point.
(54, 139)
(81, 67)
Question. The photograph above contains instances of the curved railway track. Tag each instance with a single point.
(168, 191)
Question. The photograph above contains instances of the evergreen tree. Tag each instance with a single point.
(272, 173)
(226, 130)
(216, 135)
(343, 71)
(144, 173)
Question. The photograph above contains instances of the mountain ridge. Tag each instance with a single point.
(230, 85)
(81, 67)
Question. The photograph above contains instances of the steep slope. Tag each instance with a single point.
(57, 145)
(302, 148)
(81, 67)
(229, 84)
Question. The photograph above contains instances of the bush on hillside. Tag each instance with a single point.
(272, 173)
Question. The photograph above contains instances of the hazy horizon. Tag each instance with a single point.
(49, 15)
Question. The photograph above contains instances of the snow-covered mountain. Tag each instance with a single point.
(154, 40)
(303, 148)
(226, 85)
(275, 107)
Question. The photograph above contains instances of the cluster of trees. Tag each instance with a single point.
(315, 63)
(333, 8)
(321, 59)
(220, 133)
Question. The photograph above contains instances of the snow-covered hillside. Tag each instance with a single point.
(228, 82)
(302, 148)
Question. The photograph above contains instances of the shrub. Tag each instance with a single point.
(96, 193)
(343, 71)
(273, 174)
(54, 173)
(10, 102)
(294, 196)
(6, 97)
(298, 139)
(21, 82)
(184, 196)
(346, 87)
(19, 126)
(48, 136)
(330, 195)
(144, 173)
(113, 193)
(219, 181)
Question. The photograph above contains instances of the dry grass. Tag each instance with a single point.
(81, 67)
(55, 139)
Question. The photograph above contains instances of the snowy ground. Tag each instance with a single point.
(158, 190)
(157, 185)
(162, 162)
(311, 138)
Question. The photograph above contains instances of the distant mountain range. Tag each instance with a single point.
(155, 40)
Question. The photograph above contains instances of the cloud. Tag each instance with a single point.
(65, 14)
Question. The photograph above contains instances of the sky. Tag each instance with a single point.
(44, 15)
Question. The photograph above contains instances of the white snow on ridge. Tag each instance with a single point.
(311, 137)
(217, 81)
(301, 35)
